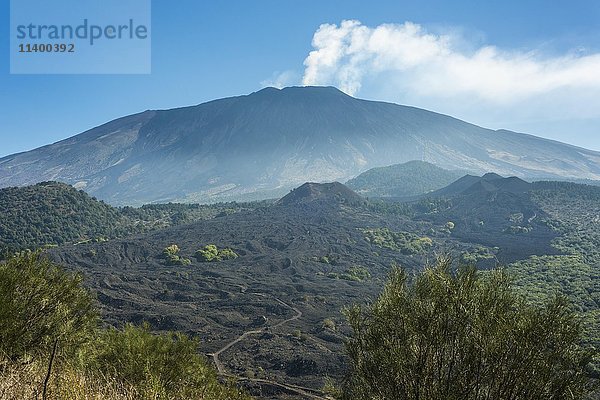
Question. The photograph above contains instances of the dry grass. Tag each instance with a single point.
(19, 382)
(26, 381)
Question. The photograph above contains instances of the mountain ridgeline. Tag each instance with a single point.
(263, 144)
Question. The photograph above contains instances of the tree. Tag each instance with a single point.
(463, 335)
(41, 304)
(208, 253)
(161, 366)
(211, 253)
(172, 257)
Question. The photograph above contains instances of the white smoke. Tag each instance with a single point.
(426, 64)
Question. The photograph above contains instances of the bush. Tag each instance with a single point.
(171, 255)
(40, 303)
(328, 324)
(405, 242)
(355, 273)
(227, 254)
(211, 253)
(208, 253)
(158, 366)
(171, 250)
(461, 336)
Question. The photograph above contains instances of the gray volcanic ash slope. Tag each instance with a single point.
(265, 143)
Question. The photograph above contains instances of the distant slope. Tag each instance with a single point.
(52, 213)
(496, 212)
(489, 182)
(402, 180)
(265, 143)
(322, 192)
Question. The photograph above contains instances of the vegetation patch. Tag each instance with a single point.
(476, 254)
(464, 336)
(332, 259)
(405, 242)
(211, 253)
(52, 213)
(540, 278)
(408, 179)
(355, 273)
(172, 257)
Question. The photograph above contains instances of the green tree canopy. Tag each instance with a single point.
(40, 303)
(161, 366)
(463, 335)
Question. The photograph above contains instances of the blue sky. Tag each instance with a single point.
(202, 50)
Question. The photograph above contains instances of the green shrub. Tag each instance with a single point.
(170, 254)
(355, 273)
(171, 250)
(464, 336)
(227, 254)
(163, 366)
(208, 253)
(405, 242)
(328, 324)
(211, 253)
(476, 254)
(40, 303)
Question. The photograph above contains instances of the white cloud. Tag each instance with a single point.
(427, 65)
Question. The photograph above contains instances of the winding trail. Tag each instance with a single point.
(303, 391)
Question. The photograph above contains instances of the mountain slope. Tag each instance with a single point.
(402, 180)
(267, 142)
(489, 182)
(496, 211)
(53, 213)
(335, 193)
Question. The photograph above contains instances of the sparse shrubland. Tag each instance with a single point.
(405, 242)
(355, 273)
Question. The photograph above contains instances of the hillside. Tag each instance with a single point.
(322, 192)
(52, 213)
(489, 182)
(263, 144)
(402, 180)
(298, 262)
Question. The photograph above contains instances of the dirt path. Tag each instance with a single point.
(303, 391)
